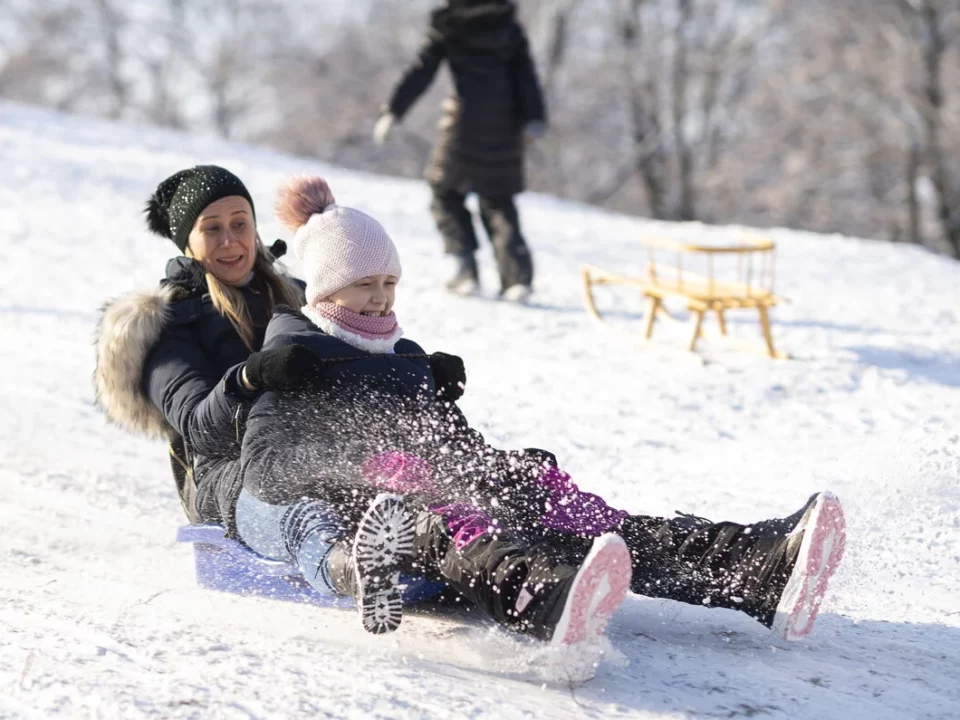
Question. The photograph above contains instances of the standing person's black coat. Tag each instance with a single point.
(183, 370)
(496, 95)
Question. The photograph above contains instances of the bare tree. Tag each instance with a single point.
(831, 115)
(112, 23)
(39, 44)
(687, 67)
(929, 21)
(875, 69)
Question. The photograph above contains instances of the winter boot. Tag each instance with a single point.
(517, 294)
(534, 589)
(514, 262)
(382, 547)
(776, 571)
(814, 550)
(594, 593)
(466, 277)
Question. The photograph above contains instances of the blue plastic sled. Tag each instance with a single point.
(226, 565)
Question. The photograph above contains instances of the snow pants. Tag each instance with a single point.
(673, 559)
(489, 565)
(501, 221)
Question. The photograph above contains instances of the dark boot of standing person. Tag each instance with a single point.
(514, 263)
(459, 238)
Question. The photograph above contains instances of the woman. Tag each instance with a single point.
(167, 358)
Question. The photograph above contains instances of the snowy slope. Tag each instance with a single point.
(99, 614)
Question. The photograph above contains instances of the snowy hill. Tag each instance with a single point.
(99, 613)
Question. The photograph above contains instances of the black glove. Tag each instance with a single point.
(449, 376)
(282, 368)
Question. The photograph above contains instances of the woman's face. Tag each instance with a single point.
(372, 295)
(224, 239)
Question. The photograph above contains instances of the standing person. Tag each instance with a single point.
(176, 362)
(496, 107)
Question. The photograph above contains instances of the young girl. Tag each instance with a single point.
(314, 460)
(507, 529)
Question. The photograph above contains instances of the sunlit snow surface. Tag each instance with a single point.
(99, 613)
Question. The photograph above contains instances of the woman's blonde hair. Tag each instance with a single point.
(229, 301)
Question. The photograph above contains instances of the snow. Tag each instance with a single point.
(99, 613)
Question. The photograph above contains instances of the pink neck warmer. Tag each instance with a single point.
(370, 328)
(373, 334)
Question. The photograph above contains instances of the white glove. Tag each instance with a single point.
(381, 131)
(533, 131)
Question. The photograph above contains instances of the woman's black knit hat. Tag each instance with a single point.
(178, 201)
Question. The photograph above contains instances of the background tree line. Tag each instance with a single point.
(829, 115)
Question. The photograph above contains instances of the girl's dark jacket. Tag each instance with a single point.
(310, 441)
(496, 94)
(167, 365)
(314, 441)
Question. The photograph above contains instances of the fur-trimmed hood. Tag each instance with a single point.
(129, 327)
(179, 319)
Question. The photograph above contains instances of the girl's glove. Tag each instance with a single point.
(280, 369)
(449, 376)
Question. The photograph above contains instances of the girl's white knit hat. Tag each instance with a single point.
(336, 245)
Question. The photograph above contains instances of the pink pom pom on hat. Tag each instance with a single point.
(336, 245)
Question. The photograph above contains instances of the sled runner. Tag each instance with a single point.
(705, 277)
(226, 565)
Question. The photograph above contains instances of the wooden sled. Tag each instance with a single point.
(705, 278)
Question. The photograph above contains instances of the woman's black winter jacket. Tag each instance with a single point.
(167, 367)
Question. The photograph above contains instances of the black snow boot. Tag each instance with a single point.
(368, 569)
(534, 589)
(341, 569)
(514, 262)
(776, 570)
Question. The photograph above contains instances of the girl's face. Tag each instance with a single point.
(224, 240)
(372, 295)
